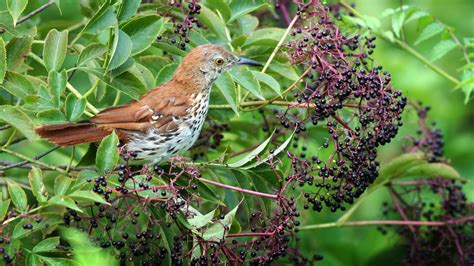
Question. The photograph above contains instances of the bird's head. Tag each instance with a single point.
(209, 61)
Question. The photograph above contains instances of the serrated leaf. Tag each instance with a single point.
(166, 73)
(18, 85)
(214, 22)
(247, 80)
(268, 80)
(107, 154)
(74, 107)
(143, 31)
(35, 176)
(277, 151)
(467, 84)
(397, 22)
(429, 170)
(17, 50)
(441, 49)
(128, 9)
(248, 24)
(242, 7)
(61, 184)
(429, 31)
(220, 6)
(172, 49)
(102, 20)
(226, 86)
(15, 8)
(46, 245)
(121, 49)
(200, 220)
(4, 205)
(3, 60)
(216, 231)
(15, 117)
(91, 52)
(18, 196)
(55, 49)
(87, 196)
(64, 201)
(57, 84)
(51, 117)
(252, 154)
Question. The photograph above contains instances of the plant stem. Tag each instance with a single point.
(389, 222)
(31, 160)
(277, 47)
(35, 12)
(407, 48)
(242, 190)
(250, 234)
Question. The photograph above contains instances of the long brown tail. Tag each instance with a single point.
(72, 133)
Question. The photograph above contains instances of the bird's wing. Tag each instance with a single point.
(144, 114)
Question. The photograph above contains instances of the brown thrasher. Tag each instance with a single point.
(164, 121)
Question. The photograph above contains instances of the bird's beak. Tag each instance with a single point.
(248, 62)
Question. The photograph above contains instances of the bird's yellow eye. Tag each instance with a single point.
(219, 61)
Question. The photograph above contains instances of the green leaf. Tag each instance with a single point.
(200, 220)
(74, 107)
(172, 49)
(18, 85)
(372, 23)
(51, 117)
(430, 170)
(247, 80)
(216, 231)
(61, 184)
(18, 196)
(143, 31)
(268, 80)
(467, 84)
(87, 196)
(264, 37)
(214, 22)
(285, 71)
(144, 74)
(107, 154)
(242, 7)
(251, 155)
(15, 7)
(46, 245)
(128, 9)
(103, 19)
(166, 73)
(55, 49)
(14, 116)
(35, 176)
(220, 6)
(280, 148)
(64, 201)
(248, 24)
(397, 22)
(121, 49)
(429, 31)
(50, 221)
(4, 205)
(226, 86)
(91, 52)
(129, 84)
(3, 60)
(57, 84)
(17, 50)
(441, 49)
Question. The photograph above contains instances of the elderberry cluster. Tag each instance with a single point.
(349, 97)
(183, 23)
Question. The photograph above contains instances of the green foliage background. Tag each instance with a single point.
(352, 245)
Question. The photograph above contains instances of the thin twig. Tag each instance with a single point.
(31, 160)
(390, 222)
(37, 157)
(35, 12)
(242, 190)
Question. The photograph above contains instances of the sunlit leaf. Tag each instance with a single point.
(121, 49)
(38, 189)
(17, 118)
(18, 196)
(107, 154)
(431, 30)
(441, 49)
(55, 49)
(16, 7)
(46, 245)
(3, 60)
(74, 107)
(143, 31)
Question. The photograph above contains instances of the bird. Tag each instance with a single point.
(163, 122)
